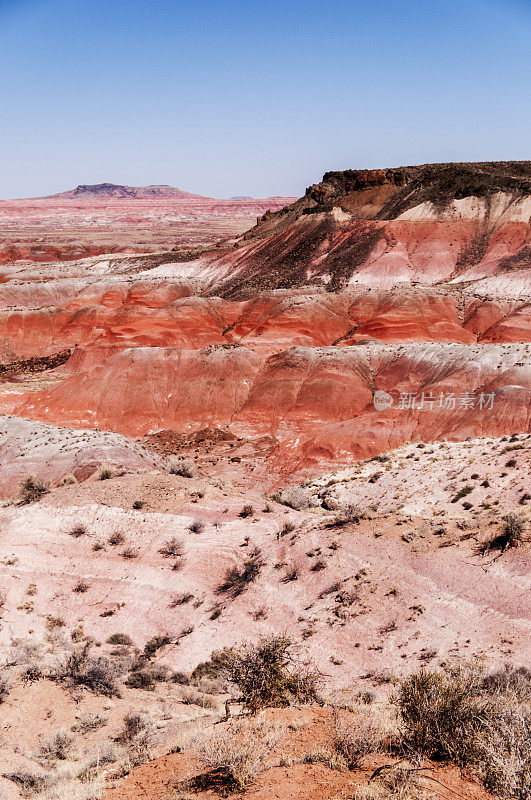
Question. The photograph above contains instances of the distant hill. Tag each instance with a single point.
(113, 190)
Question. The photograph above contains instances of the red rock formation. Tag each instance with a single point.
(317, 402)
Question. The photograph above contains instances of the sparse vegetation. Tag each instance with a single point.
(88, 722)
(156, 643)
(105, 473)
(294, 497)
(138, 735)
(183, 467)
(58, 747)
(172, 548)
(247, 511)
(129, 553)
(346, 514)
(463, 716)
(268, 673)
(240, 752)
(77, 531)
(288, 527)
(97, 673)
(238, 579)
(356, 741)
(121, 639)
(462, 493)
(33, 489)
(5, 687)
(511, 535)
(116, 538)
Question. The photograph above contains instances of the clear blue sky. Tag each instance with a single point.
(259, 97)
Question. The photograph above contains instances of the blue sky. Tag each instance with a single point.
(255, 97)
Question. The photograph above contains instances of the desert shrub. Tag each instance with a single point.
(294, 497)
(138, 504)
(510, 681)
(347, 513)
(105, 473)
(441, 713)
(33, 672)
(81, 587)
(238, 579)
(68, 480)
(155, 643)
(288, 527)
(354, 742)
(180, 599)
(292, 574)
(247, 511)
(89, 722)
(5, 687)
(463, 716)
(141, 679)
(54, 622)
(194, 697)
(129, 553)
(120, 638)
(462, 493)
(182, 466)
(505, 756)
(268, 673)
(58, 747)
(324, 755)
(138, 735)
(116, 538)
(196, 526)
(77, 531)
(239, 752)
(29, 782)
(511, 535)
(394, 782)
(33, 489)
(97, 673)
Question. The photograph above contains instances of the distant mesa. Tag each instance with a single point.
(117, 191)
(242, 197)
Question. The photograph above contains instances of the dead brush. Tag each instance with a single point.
(183, 467)
(395, 782)
(33, 489)
(512, 534)
(505, 757)
(58, 748)
(267, 674)
(238, 579)
(138, 736)
(172, 548)
(237, 753)
(96, 673)
(458, 714)
(354, 742)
